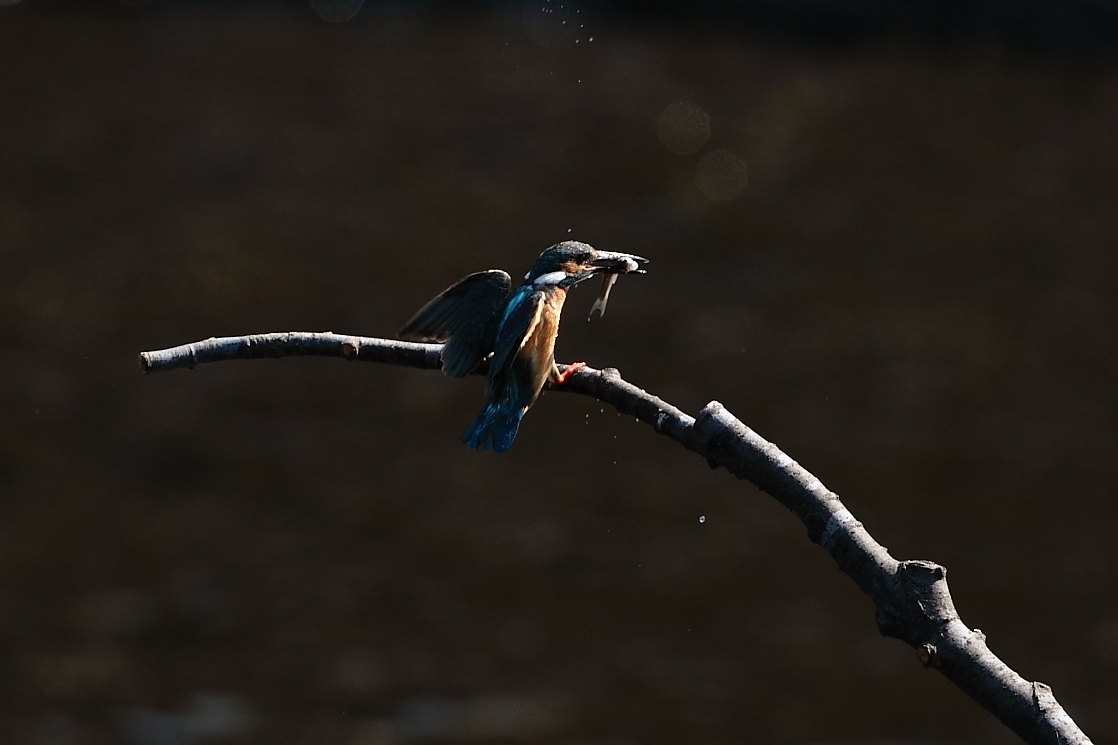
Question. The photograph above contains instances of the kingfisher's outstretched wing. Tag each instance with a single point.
(465, 316)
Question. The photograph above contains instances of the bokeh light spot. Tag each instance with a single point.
(684, 127)
(721, 175)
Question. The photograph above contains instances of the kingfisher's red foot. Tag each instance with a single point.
(570, 370)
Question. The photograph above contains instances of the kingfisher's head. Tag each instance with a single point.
(570, 262)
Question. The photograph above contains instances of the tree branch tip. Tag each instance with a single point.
(713, 409)
(921, 571)
(714, 419)
(1043, 696)
(928, 655)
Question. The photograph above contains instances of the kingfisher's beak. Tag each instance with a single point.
(612, 262)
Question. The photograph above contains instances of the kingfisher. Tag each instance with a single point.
(481, 316)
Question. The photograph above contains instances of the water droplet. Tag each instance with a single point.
(702, 519)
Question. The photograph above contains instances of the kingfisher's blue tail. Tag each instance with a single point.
(495, 426)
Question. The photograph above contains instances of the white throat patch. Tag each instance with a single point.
(550, 279)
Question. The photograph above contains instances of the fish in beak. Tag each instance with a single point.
(611, 266)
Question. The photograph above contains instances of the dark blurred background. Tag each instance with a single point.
(882, 234)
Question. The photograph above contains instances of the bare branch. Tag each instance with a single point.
(292, 344)
(911, 598)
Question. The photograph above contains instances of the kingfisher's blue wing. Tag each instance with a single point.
(512, 386)
(465, 316)
(521, 315)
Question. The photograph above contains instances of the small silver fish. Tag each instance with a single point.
(608, 281)
(599, 305)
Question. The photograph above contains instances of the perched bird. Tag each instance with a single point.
(481, 315)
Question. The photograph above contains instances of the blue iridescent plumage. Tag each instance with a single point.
(481, 315)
